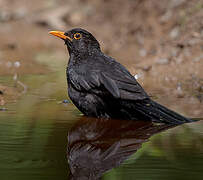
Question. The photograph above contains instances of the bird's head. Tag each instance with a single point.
(78, 41)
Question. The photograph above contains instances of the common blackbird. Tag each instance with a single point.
(101, 87)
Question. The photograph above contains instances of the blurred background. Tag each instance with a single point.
(161, 42)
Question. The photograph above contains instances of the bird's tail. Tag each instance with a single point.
(161, 114)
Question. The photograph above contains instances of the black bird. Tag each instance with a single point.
(101, 87)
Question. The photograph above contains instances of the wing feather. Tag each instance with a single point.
(109, 78)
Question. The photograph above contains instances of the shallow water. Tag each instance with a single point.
(35, 132)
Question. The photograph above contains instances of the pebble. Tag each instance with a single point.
(15, 77)
(143, 52)
(166, 17)
(146, 68)
(194, 41)
(65, 101)
(179, 91)
(2, 102)
(162, 61)
(197, 59)
(174, 33)
(11, 46)
(17, 64)
(3, 109)
(137, 76)
(176, 3)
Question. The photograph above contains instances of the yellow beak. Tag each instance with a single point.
(60, 35)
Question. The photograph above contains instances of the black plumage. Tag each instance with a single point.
(101, 87)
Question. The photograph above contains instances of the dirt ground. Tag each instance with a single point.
(159, 41)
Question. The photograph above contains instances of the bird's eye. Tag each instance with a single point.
(77, 36)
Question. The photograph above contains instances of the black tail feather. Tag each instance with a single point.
(160, 114)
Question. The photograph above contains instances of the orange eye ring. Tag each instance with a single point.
(77, 36)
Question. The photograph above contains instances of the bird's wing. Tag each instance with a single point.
(122, 85)
(110, 80)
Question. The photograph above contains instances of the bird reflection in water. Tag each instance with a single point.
(96, 146)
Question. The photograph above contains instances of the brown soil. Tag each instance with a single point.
(161, 41)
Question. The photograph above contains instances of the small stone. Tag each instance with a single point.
(179, 91)
(65, 101)
(166, 17)
(175, 3)
(11, 46)
(195, 34)
(15, 77)
(180, 45)
(3, 109)
(137, 76)
(167, 78)
(146, 68)
(17, 64)
(174, 33)
(194, 41)
(162, 61)
(143, 52)
(2, 102)
(199, 58)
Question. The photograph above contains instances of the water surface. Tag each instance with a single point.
(35, 132)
